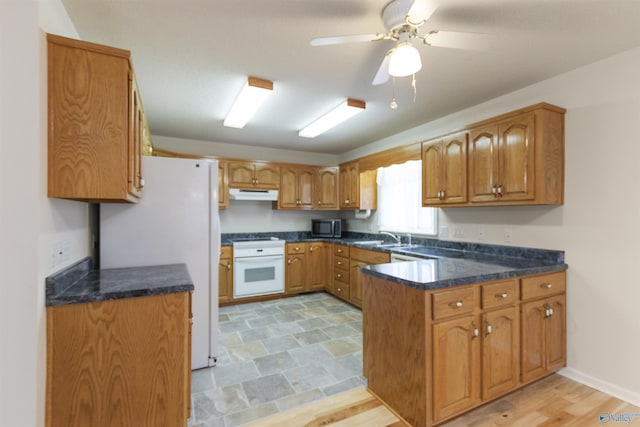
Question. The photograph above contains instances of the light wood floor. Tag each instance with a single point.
(553, 401)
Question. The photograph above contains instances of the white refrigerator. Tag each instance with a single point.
(175, 221)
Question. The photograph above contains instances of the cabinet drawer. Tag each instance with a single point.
(340, 263)
(341, 275)
(341, 250)
(499, 294)
(541, 286)
(296, 248)
(369, 257)
(452, 303)
(341, 289)
(226, 251)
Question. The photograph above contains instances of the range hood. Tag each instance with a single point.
(238, 194)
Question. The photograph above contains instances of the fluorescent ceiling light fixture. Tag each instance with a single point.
(333, 118)
(252, 96)
(405, 60)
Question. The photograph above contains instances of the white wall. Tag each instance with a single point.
(29, 221)
(598, 226)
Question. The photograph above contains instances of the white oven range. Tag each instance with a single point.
(258, 267)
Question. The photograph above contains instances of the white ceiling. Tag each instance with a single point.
(192, 57)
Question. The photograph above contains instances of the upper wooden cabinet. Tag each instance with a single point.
(97, 128)
(518, 158)
(357, 190)
(296, 188)
(444, 170)
(326, 188)
(223, 184)
(254, 175)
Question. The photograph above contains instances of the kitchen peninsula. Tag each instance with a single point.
(461, 329)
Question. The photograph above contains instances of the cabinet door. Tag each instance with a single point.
(349, 183)
(288, 194)
(267, 176)
(295, 276)
(432, 173)
(454, 159)
(223, 184)
(555, 334)
(241, 174)
(456, 363)
(326, 188)
(319, 270)
(305, 188)
(225, 280)
(483, 164)
(517, 158)
(533, 338)
(356, 282)
(500, 352)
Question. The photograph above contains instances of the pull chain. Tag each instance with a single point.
(415, 89)
(394, 104)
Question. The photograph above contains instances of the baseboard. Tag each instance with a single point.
(611, 389)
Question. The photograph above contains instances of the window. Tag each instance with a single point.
(400, 200)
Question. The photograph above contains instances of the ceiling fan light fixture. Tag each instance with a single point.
(405, 60)
(252, 96)
(333, 118)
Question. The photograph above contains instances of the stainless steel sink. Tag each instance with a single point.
(368, 242)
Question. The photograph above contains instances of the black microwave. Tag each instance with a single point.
(331, 228)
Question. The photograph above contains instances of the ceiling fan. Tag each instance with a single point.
(403, 20)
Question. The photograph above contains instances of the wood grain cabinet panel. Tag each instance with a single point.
(326, 188)
(97, 128)
(296, 268)
(254, 175)
(223, 184)
(358, 258)
(444, 170)
(124, 362)
(225, 275)
(518, 158)
(358, 190)
(456, 367)
(500, 352)
(296, 188)
(319, 268)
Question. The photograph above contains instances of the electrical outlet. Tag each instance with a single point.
(481, 234)
(444, 231)
(508, 236)
(458, 232)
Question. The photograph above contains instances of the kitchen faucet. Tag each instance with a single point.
(396, 238)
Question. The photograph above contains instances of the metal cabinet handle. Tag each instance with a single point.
(502, 295)
(546, 285)
(289, 261)
(296, 248)
(548, 311)
(339, 263)
(339, 251)
(339, 289)
(500, 190)
(339, 276)
(474, 330)
(489, 328)
(311, 249)
(456, 304)
(228, 266)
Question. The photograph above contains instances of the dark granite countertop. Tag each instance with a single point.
(80, 283)
(445, 264)
(460, 269)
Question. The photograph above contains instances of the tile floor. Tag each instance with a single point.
(276, 355)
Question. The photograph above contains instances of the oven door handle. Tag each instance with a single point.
(259, 259)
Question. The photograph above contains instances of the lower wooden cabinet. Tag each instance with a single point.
(319, 265)
(358, 258)
(456, 366)
(295, 275)
(459, 348)
(123, 362)
(543, 325)
(225, 275)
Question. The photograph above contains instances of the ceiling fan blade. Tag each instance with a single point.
(325, 41)
(457, 40)
(420, 11)
(382, 76)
